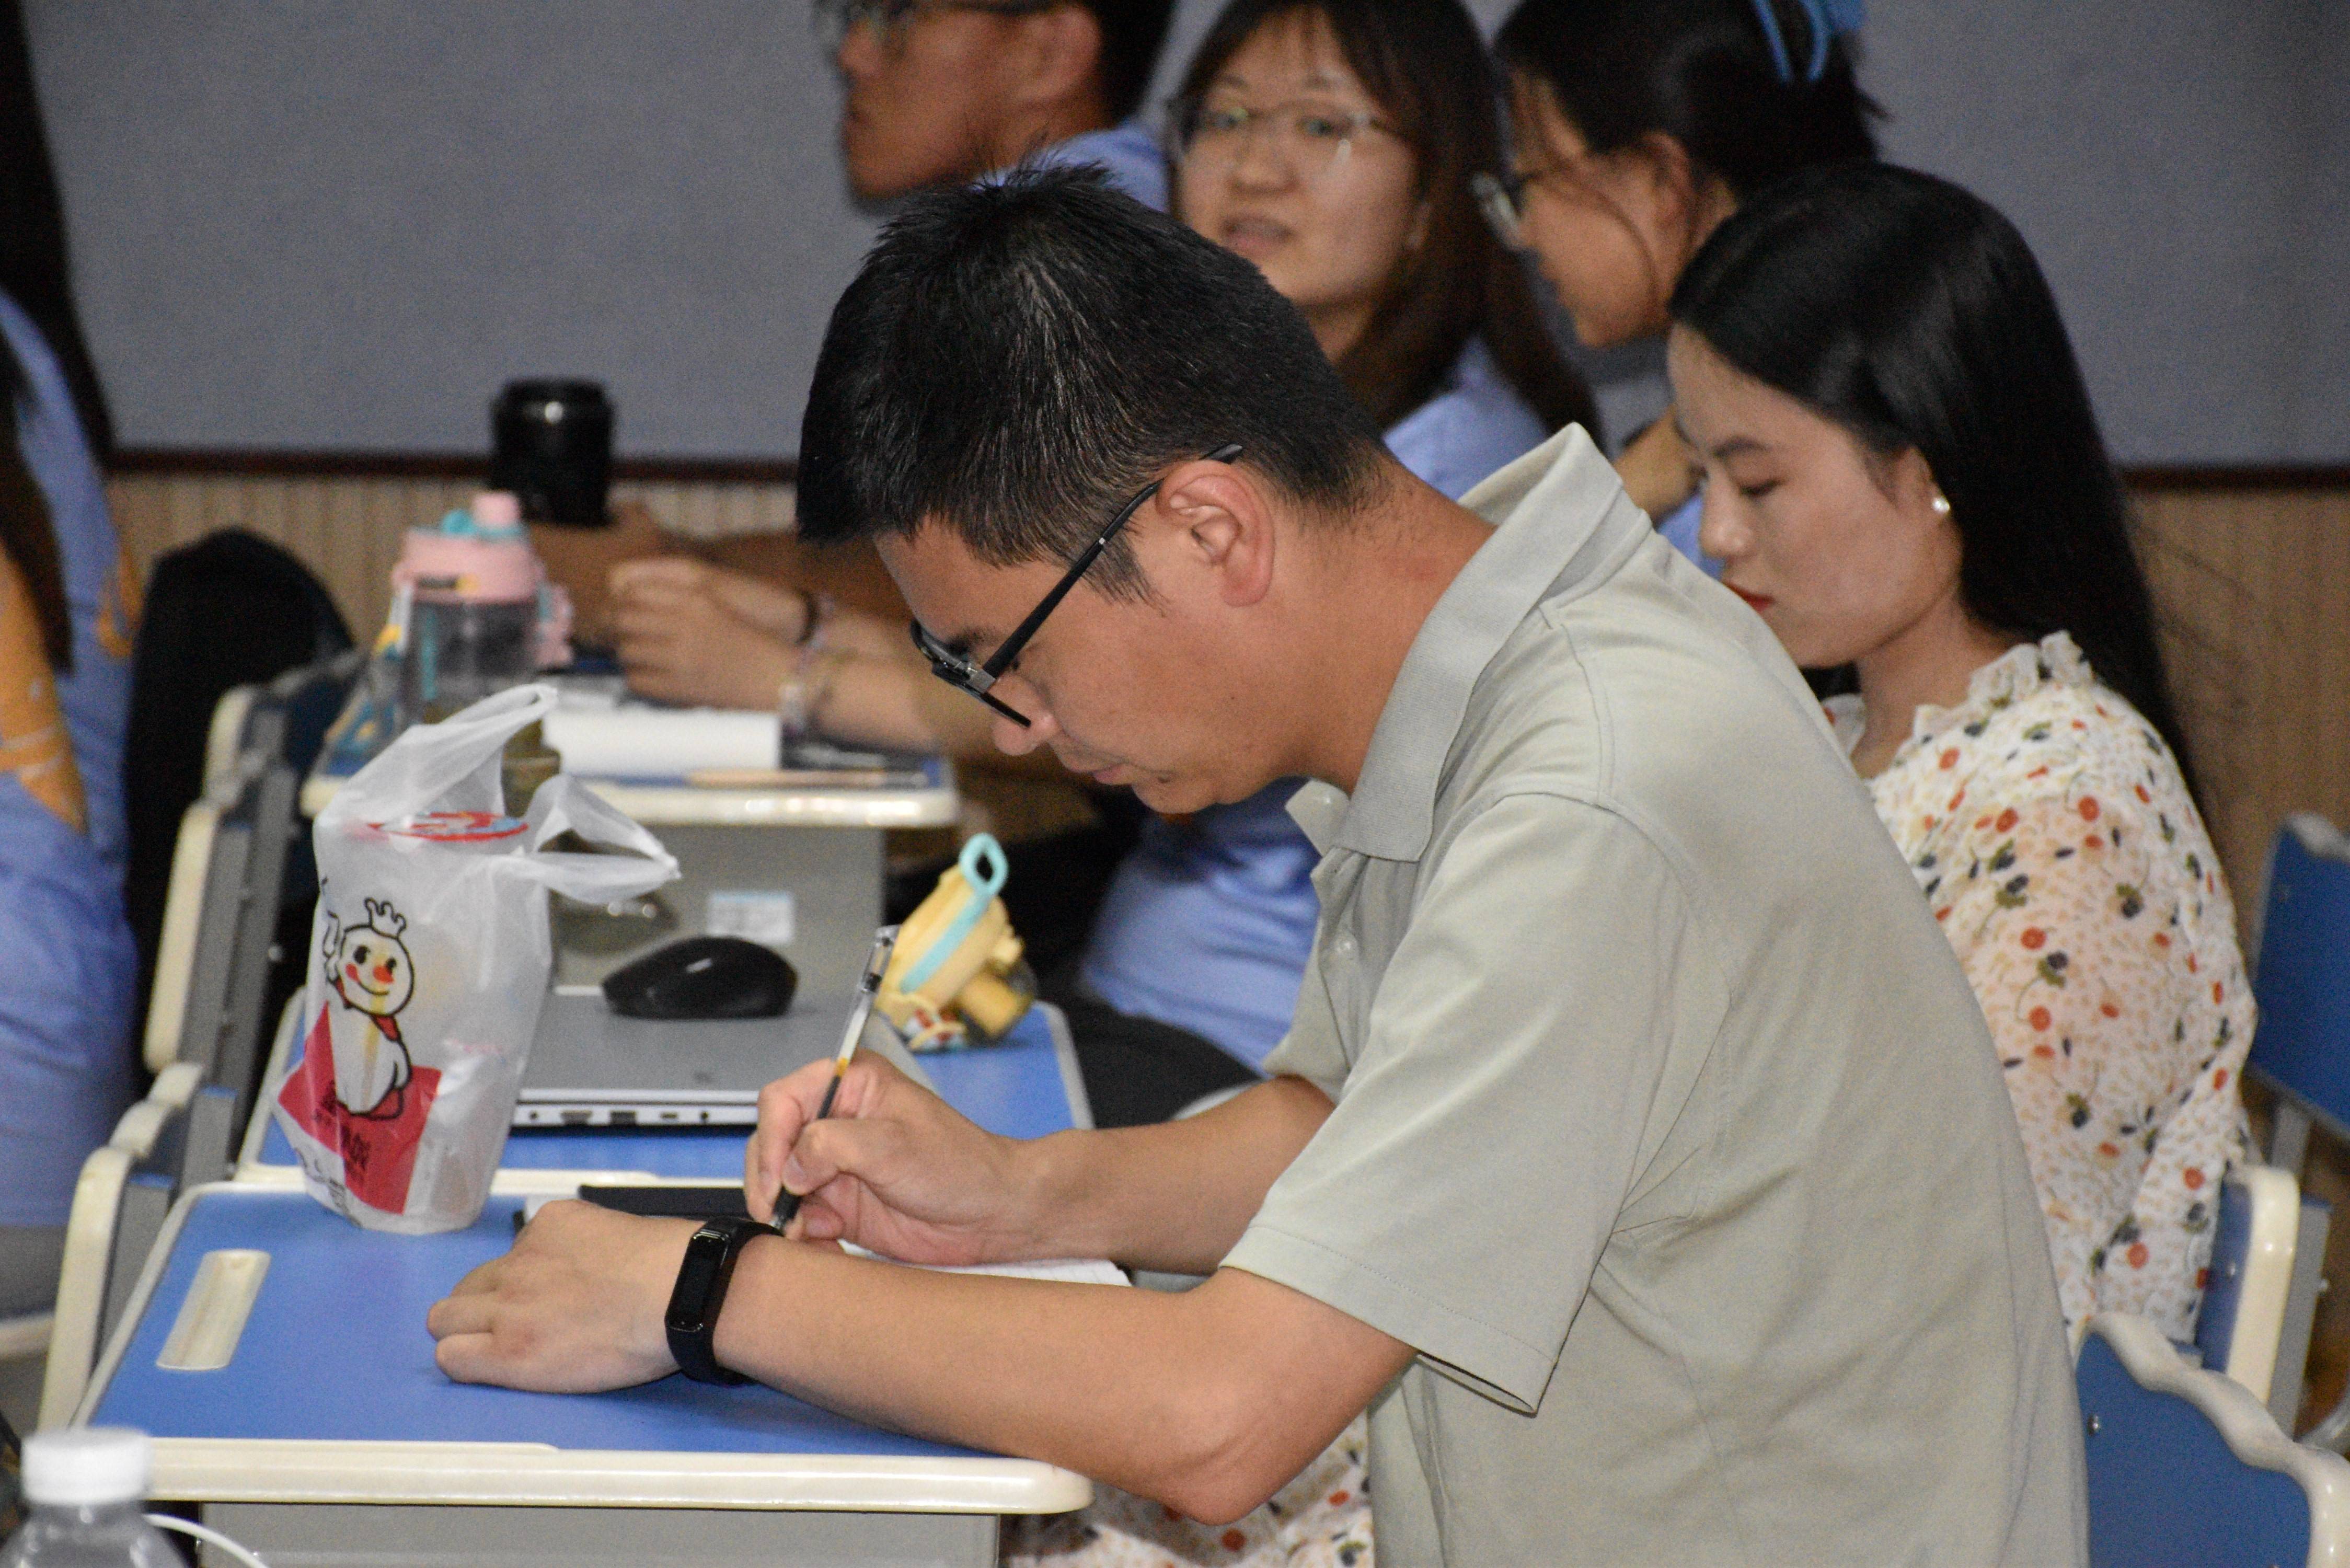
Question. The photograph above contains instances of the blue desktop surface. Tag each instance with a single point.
(1014, 1089)
(363, 1362)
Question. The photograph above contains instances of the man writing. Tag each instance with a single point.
(1637, 1154)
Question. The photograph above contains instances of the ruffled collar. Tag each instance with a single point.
(2054, 660)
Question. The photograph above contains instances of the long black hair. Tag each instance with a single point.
(1424, 65)
(33, 274)
(1705, 73)
(1910, 312)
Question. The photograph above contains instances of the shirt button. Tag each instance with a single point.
(1343, 946)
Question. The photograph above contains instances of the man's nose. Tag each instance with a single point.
(383, 974)
(859, 55)
(1017, 740)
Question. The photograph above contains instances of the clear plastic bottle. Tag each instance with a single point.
(86, 1485)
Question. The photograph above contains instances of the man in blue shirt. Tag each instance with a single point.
(946, 90)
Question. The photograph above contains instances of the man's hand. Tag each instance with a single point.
(576, 1306)
(893, 1168)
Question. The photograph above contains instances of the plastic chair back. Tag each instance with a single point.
(98, 1247)
(2185, 1466)
(2252, 1275)
(2302, 977)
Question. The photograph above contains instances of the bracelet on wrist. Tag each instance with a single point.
(816, 614)
(806, 690)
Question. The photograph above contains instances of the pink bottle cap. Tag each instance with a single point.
(445, 566)
(497, 511)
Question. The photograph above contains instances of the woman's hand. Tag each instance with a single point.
(1658, 469)
(687, 632)
(892, 1169)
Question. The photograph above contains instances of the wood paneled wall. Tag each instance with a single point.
(348, 530)
(2254, 583)
(2253, 588)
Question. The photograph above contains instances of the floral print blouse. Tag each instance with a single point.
(2049, 829)
(1321, 1520)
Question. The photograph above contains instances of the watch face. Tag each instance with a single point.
(695, 1279)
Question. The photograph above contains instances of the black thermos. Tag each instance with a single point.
(552, 446)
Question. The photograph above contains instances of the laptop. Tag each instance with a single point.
(590, 1067)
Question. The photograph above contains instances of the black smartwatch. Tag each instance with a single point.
(701, 1293)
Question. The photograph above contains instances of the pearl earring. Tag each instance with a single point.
(1941, 504)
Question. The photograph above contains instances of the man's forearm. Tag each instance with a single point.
(1177, 1398)
(1174, 1197)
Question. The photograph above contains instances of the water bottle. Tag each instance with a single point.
(88, 1487)
(475, 609)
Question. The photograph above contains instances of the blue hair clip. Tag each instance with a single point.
(1830, 19)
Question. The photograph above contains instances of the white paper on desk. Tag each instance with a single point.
(637, 742)
(1069, 1270)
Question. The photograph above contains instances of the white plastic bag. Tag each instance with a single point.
(432, 953)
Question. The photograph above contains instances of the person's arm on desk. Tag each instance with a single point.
(1207, 1401)
(689, 632)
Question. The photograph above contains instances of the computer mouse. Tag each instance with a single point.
(704, 977)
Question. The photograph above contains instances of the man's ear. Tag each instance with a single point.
(1060, 56)
(1218, 521)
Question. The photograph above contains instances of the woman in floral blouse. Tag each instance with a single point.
(1903, 476)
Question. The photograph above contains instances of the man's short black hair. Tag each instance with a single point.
(1131, 34)
(1016, 359)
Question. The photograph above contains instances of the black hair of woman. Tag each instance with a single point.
(1732, 81)
(1911, 313)
(1424, 63)
(33, 273)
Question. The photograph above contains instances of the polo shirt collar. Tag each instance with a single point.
(1545, 508)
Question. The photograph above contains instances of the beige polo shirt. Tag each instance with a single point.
(1666, 1130)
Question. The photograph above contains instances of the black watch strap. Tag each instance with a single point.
(699, 1295)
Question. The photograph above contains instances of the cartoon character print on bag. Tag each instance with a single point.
(357, 1092)
(373, 979)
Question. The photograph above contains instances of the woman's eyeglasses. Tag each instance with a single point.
(1309, 136)
(889, 19)
(957, 670)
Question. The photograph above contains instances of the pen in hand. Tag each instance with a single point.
(787, 1203)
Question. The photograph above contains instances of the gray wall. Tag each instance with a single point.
(340, 226)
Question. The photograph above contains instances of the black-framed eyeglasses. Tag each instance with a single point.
(979, 679)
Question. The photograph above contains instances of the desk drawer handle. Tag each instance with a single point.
(211, 1320)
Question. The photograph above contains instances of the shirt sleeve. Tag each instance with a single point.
(67, 971)
(2064, 929)
(1514, 1062)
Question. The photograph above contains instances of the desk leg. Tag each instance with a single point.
(349, 1535)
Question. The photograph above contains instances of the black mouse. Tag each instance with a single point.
(704, 977)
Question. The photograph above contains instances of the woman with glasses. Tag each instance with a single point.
(1333, 144)
(1638, 125)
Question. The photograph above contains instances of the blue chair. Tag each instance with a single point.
(2186, 1466)
(2300, 1051)
(2302, 981)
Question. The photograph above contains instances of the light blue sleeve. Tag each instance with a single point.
(69, 972)
(1132, 155)
(1475, 424)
